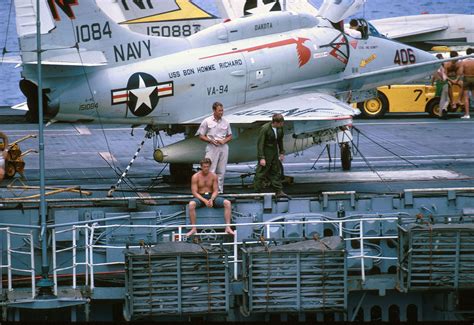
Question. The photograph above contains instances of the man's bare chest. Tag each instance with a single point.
(205, 182)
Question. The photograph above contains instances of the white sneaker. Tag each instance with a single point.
(466, 117)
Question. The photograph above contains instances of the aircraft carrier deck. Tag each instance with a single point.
(396, 153)
(391, 239)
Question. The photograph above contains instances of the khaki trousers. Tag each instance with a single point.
(444, 99)
(219, 156)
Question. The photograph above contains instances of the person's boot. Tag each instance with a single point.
(444, 114)
(281, 194)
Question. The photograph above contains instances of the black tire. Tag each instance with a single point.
(31, 117)
(181, 173)
(346, 156)
(432, 107)
(374, 107)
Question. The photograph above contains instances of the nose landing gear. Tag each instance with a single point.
(346, 156)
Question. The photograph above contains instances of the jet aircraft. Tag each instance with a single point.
(167, 18)
(426, 31)
(295, 64)
(422, 31)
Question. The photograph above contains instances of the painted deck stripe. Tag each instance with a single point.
(82, 129)
(394, 175)
(108, 157)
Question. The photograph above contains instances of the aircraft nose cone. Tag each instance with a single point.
(421, 56)
(158, 155)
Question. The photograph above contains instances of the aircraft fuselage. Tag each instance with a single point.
(180, 87)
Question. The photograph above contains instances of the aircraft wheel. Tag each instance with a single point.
(346, 156)
(374, 107)
(31, 117)
(432, 107)
(181, 173)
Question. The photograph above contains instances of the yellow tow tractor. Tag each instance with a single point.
(414, 98)
(405, 99)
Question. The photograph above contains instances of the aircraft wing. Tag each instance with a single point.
(311, 118)
(402, 29)
(456, 29)
(311, 106)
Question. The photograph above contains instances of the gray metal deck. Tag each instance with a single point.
(382, 272)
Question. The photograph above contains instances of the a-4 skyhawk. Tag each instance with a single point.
(282, 62)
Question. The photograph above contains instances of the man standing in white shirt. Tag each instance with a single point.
(216, 131)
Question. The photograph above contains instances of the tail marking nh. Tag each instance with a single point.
(65, 6)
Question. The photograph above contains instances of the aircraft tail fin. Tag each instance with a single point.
(77, 32)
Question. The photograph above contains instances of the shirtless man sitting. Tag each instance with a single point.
(205, 191)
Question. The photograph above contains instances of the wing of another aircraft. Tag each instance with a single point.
(401, 29)
(431, 29)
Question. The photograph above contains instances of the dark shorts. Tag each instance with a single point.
(218, 201)
(468, 82)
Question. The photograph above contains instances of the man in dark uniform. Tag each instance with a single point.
(270, 152)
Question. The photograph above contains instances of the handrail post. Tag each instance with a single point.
(86, 251)
(74, 261)
(236, 255)
(362, 261)
(91, 255)
(9, 261)
(54, 252)
(33, 274)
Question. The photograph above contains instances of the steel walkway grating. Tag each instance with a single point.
(440, 258)
(187, 283)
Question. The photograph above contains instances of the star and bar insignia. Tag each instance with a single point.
(142, 93)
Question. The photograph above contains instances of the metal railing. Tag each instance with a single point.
(73, 250)
(90, 246)
(10, 255)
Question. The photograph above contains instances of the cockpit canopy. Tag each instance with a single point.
(338, 10)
